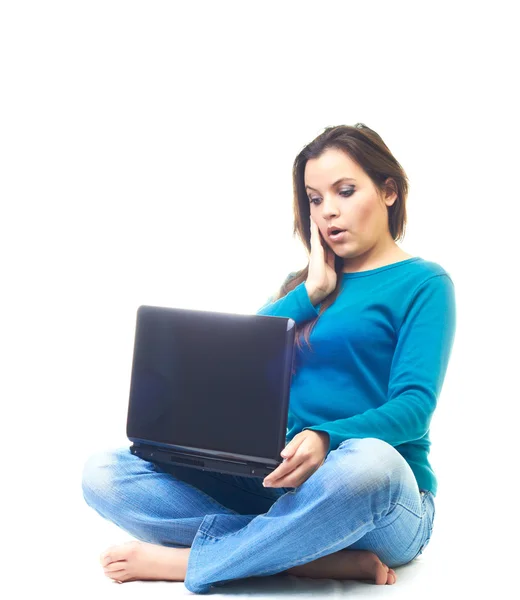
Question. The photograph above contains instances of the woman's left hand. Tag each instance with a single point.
(303, 455)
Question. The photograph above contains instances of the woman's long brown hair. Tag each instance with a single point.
(366, 148)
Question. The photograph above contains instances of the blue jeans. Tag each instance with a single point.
(364, 496)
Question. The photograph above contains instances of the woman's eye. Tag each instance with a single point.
(345, 193)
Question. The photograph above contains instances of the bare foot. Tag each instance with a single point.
(142, 561)
(347, 564)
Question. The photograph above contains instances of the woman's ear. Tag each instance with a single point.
(390, 193)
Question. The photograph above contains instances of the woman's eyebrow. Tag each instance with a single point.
(335, 183)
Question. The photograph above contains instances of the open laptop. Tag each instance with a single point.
(210, 390)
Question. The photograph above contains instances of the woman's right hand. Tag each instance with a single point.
(322, 278)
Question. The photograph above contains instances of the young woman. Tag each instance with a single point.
(354, 496)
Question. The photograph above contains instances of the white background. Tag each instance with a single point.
(145, 158)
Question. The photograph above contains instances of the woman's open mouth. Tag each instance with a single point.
(338, 236)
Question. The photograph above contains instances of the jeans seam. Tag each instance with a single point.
(409, 510)
(231, 533)
(194, 553)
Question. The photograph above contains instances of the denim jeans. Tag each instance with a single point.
(364, 496)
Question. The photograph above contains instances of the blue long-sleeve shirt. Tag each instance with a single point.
(378, 361)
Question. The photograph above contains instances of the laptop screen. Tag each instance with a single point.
(213, 381)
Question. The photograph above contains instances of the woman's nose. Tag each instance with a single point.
(329, 209)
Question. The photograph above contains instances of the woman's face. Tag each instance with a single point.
(351, 204)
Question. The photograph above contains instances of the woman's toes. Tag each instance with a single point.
(115, 567)
(392, 577)
(385, 575)
(381, 574)
(119, 553)
(105, 558)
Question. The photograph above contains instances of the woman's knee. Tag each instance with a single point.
(372, 449)
(368, 463)
(99, 470)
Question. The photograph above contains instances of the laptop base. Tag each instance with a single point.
(203, 463)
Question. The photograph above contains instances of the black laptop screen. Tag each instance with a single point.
(213, 381)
